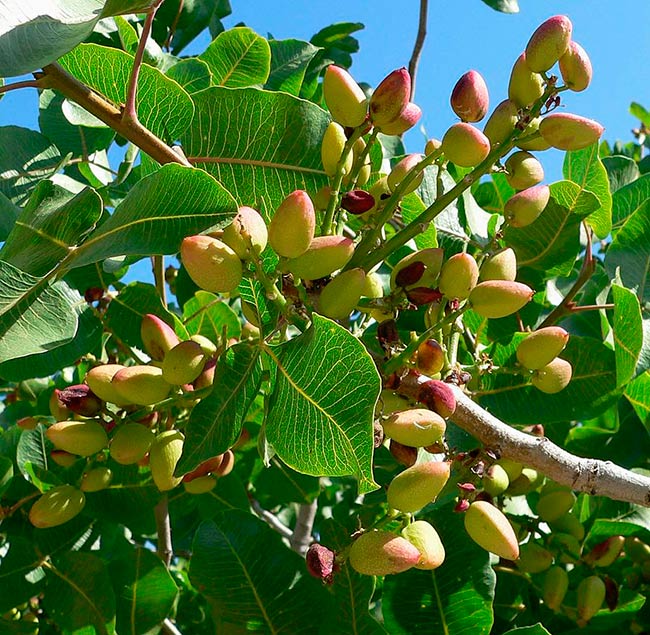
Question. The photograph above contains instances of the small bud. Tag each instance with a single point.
(357, 202)
(553, 377)
(247, 235)
(495, 480)
(423, 535)
(501, 122)
(83, 438)
(533, 558)
(591, 595)
(382, 553)
(130, 443)
(541, 347)
(488, 527)
(80, 400)
(417, 486)
(142, 385)
(200, 485)
(409, 116)
(500, 266)
(430, 357)
(325, 255)
(345, 100)
(548, 43)
(99, 379)
(320, 562)
(470, 99)
(293, 225)
(390, 97)
(211, 264)
(97, 479)
(565, 131)
(525, 86)
(554, 504)
(402, 170)
(523, 170)
(499, 298)
(339, 297)
(556, 584)
(415, 427)
(165, 452)
(184, 363)
(437, 396)
(575, 67)
(458, 276)
(57, 506)
(404, 454)
(465, 145)
(157, 336)
(462, 506)
(332, 147)
(524, 208)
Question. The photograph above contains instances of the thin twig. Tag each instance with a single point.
(130, 112)
(169, 627)
(165, 549)
(419, 44)
(302, 538)
(172, 29)
(270, 519)
(158, 266)
(28, 83)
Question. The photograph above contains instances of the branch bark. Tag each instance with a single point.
(419, 43)
(164, 549)
(301, 538)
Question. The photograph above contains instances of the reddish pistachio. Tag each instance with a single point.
(293, 225)
(575, 67)
(499, 298)
(437, 396)
(409, 116)
(390, 97)
(565, 131)
(423, 295)
(357, 202)
(80, 399)
(548, 43)
(157, 336)
(320, 562)
(430, 357)
(524, 208)
(469, 98)
(403, 454)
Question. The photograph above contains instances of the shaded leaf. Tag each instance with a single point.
(266, 313)
(20, 575)
(278, 484)
(8, 215)
(535, 629)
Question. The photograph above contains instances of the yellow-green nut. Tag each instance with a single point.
(423, 535)
(390, 97)
(293, 225)
(526, 482)
(200, 485)
(345, 99)
(513, 468)
(569, 524)
(382, 553)
(575, 67)
(495, 480)
(431, 259)
(247, 235)
(57, 506)
(554, 504)
(548, 43)
(416, 427)
(208, 347)
(499, 298)
(157, 336)
(469, 98)
(637, 550)
(458, 276)
(525, 86)
(489, 528)
(533, 558)
(165, 452)
(331, 150)
(325, 255)
(553, 377)
(465, 145)
(340, 296)
(541, 347)
(417, 486)
(130, 443)
(501, 122)
(142, 385)
(83, 438)
(211, 264)
(605, 553)
(565, 131)
(184, 363)
(390, 402)
(373, 286)
(525, 207)
(409, 116)
(556, 584)
(531, 139)
(380, 192)
(430, 357)
(590, 597)
(431, 146)
(500, 266)
(403, 169)
(97, 479)
(523, 170)
(99, 381)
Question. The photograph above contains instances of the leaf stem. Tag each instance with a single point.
(419, 44)
(39, 82)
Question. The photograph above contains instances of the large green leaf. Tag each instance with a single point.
(53, 221)
(455, 599)
(628, 333)
(157, 213)
(584, 168)
(192, 74)
(238, 57)
(144, 589)
(216, 422)
(162, 105)
(208, 315)
(321, 412)
(638, 394)
(17, 578)
(261, 145)
(630, 199)
(621, 171)
(8, 215)
(242, 566)
(552, 243)
(289, 62)
(592, 388)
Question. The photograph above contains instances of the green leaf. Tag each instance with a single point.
(584, 168)
(122, 7)
(27, 157)
(455, 599)
(412, 206)
(53, 221)
(494, 194)
(321, 412)
(33, 450)
(192, 74)
(628, 333)
(638, 394)
(157, 213)
(592, 388)
(144, 589)
(621, 171)
(21, 577)
(630, 199)
(8, 215)
(216, 422)
(629, 251)
(237, 58)
(252, 293)
(162, 105)
(280, 485)
(259, 144)
(79, 593)
(638, 111)
(552, 243)
(505, 6)
(208, 315)
(535, 629)
(289, 62)
(242, 566)
(131, 503)
(34, 34)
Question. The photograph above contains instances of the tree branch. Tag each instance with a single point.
(301, 538)
(164, 549)
(270, 519)
(28, 83)
(419, 43)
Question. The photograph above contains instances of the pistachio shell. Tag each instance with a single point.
(57, 506)
(553, 505)
(431, 259)
(575, 67)
(340, 296)
(415, 427)
(83, 438)
(293, 225)
(495, 480)
(157, 336)
(553, 377)
(470, 99)
(548, 43)
(465, 145)
(97, 479)
(556, 584)
(165, 452)
(332, 147)
(390, 97)
(500, 266)
(130, 443)
(523, 170)
(524, 208)
(501, 123)
(211, 264)
(525, 86)
(423, 535)
(533, 558)
(409, 116)
(382, 553)
(345, 99)
(402, 170)
(488, 527)
(430, 357)
(247, 235)
(458, 276)
(142, 385)
(183, 363)
(417, 486)
(590, 597)
(325, 255)
(99, 380)
(565, 131)
(541, 347)
(499, 298)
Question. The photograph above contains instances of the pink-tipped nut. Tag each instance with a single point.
(465, 145)
(293, 225)
(158, 337)
(404, 121)
(575, 67)
(565, 131)
(390, 97)
(211, 264)
(524, 208)
(470, 99)
(345, 99)
(548, 43)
